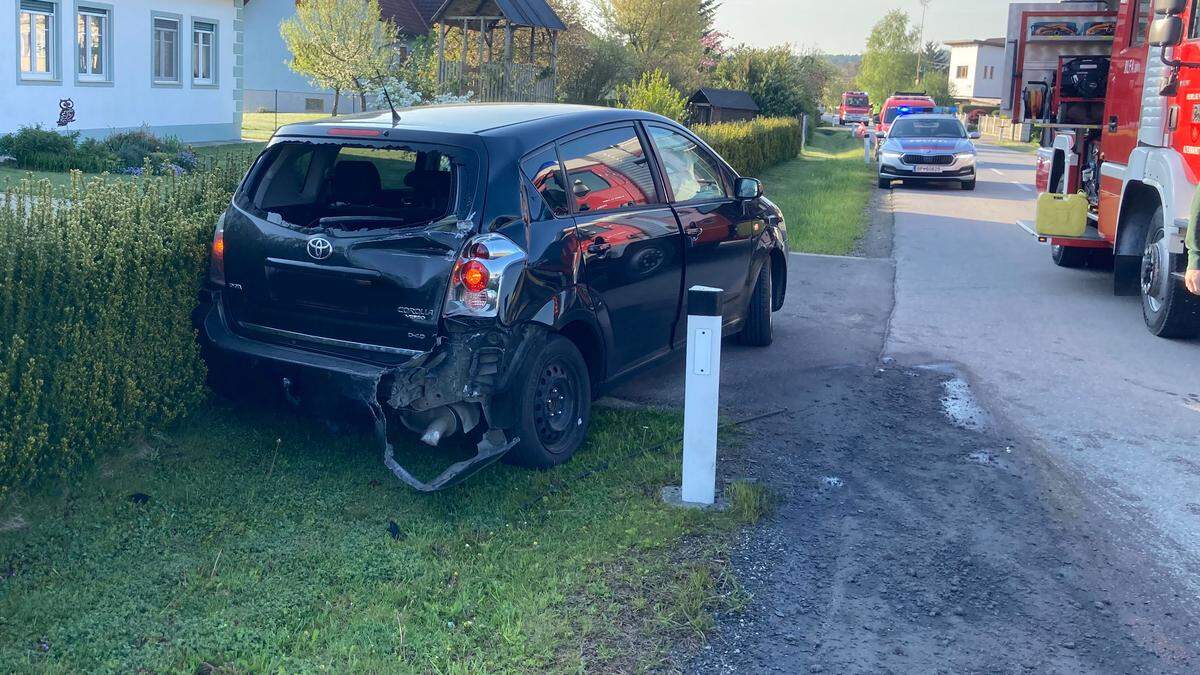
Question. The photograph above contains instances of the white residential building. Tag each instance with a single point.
(977, 70)
(174, 67)
(272, 86)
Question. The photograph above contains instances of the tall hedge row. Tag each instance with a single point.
(96, 286)
(752, 147)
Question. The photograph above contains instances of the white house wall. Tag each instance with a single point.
(977, 58)
(189, 111)
(270, 84)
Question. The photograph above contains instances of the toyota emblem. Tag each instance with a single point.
(319, 248)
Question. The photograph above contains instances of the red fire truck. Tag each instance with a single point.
(1121, 136)
(855, 107)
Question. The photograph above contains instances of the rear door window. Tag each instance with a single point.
(607, 171)
(545, 173)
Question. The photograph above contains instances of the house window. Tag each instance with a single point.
(166, 50)
(35, 25)
(204, 52)
(989, 72)
(91, 38)
(961, 73)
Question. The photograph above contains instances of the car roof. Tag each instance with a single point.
(504, 119)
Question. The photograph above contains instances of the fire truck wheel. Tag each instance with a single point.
(1170, 311)
(1069, 256)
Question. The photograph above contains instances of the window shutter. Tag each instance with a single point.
(37, 6)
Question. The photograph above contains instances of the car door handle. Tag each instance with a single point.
(599, 247)
(693, 230)
(1113, 123)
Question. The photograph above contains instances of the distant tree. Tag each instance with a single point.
(590, 66)
(340, 44)
(890, 60)
(935, 58)
(782, 82)
(841, 80)
(662, 35)
(653, 93)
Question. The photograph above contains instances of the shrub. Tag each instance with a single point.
(96, 289)
(752, 147)
(653, 93)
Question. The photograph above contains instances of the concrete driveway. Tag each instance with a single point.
(984, 466)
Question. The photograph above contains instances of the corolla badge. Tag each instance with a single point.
(319, 248)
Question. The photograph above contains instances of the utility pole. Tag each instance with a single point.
(921, 41)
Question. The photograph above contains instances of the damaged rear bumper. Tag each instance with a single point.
(464, 371)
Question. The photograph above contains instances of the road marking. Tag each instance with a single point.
(842, 257)
(1022, 186)
(998, 171)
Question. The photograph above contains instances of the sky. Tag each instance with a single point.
(841, 27)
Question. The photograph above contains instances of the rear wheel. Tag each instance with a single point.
(553, 401)
(759, 330)
(1069, 256)
(1169, 309)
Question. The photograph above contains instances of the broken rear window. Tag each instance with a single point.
(350, 186)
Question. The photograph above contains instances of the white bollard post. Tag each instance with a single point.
(701, 394)
(867, 148)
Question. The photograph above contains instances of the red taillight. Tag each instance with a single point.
(217, 266)
(474, 276)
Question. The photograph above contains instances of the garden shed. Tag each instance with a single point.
(709, 106)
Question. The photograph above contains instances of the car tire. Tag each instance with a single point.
(968, 184)
(1169, 309)
(1069, 256)
(552, 400)
(885, 183)
(759, 331)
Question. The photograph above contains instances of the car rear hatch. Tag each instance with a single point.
(347, 245)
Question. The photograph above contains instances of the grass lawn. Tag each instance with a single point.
(824, 194)
(265, 547)
(260, 126)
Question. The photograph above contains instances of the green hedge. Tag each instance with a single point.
(97, 284)
(755, 146)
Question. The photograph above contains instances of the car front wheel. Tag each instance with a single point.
(885, 183)
(552, 398)
(759, 330)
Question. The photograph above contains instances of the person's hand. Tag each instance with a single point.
(1192, 280)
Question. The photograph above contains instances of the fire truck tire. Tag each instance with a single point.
(1069, 256)
(1169, 309)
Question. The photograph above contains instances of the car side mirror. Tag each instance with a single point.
(974, 135)
(1166, 31)
(748, 188)
(580, 189)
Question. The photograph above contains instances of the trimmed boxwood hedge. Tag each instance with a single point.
(96, 288)
(752, 147)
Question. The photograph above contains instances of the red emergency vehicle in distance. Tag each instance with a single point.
(903, 103)
(1132, 149)
(855, 107)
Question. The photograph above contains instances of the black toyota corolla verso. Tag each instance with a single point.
(481, 269)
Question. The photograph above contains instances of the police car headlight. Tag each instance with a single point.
(965, 157)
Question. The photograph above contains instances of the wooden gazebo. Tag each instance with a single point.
(524, 32)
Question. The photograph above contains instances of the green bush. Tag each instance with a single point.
(96, 289)
(653, 93)
(46, 150)
(752, 147)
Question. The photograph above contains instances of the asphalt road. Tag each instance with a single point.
(1055, 353)
(983, 465)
